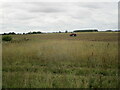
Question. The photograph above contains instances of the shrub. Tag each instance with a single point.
(6, 38)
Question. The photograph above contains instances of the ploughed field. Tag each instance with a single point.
(56, 60)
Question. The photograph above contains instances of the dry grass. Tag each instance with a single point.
(59, 61)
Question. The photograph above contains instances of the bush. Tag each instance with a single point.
(6, 38)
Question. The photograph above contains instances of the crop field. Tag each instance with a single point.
(56, 60)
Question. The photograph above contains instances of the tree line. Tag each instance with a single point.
(38, 32)
(13, 33)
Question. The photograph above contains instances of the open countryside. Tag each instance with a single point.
(57, 60)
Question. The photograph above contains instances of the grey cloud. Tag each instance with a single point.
(48, 7)
(90, 5)
(47, 10)
(37, 6)
(50, 16)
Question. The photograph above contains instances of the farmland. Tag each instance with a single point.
(56, 60)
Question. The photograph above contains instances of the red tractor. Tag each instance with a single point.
(73, 34)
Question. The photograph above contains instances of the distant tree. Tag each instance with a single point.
(66, 31)
(94, 30)
(11, 33)
(5, 34)
(34, 32)
(23, 33)
(39, 32)
(59, 31)
(29, 33)
(108, 30)
(118, 30)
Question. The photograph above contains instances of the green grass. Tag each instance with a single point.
(89, 60)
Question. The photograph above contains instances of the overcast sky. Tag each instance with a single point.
(58, 16)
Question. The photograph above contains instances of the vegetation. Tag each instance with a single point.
(13, 33)
(66, 31)
(6, 38)
(109, 31)
(86, 30)
(34, 32)
(56, 60)
(10, 33)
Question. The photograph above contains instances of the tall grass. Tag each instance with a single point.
(60, 63)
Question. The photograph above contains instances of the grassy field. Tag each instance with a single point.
(57, 60)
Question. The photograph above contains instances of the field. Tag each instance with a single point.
(56, 60)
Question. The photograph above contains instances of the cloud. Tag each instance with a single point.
(48, 10)
(56, 16)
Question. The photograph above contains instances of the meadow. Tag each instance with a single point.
(56, 60)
